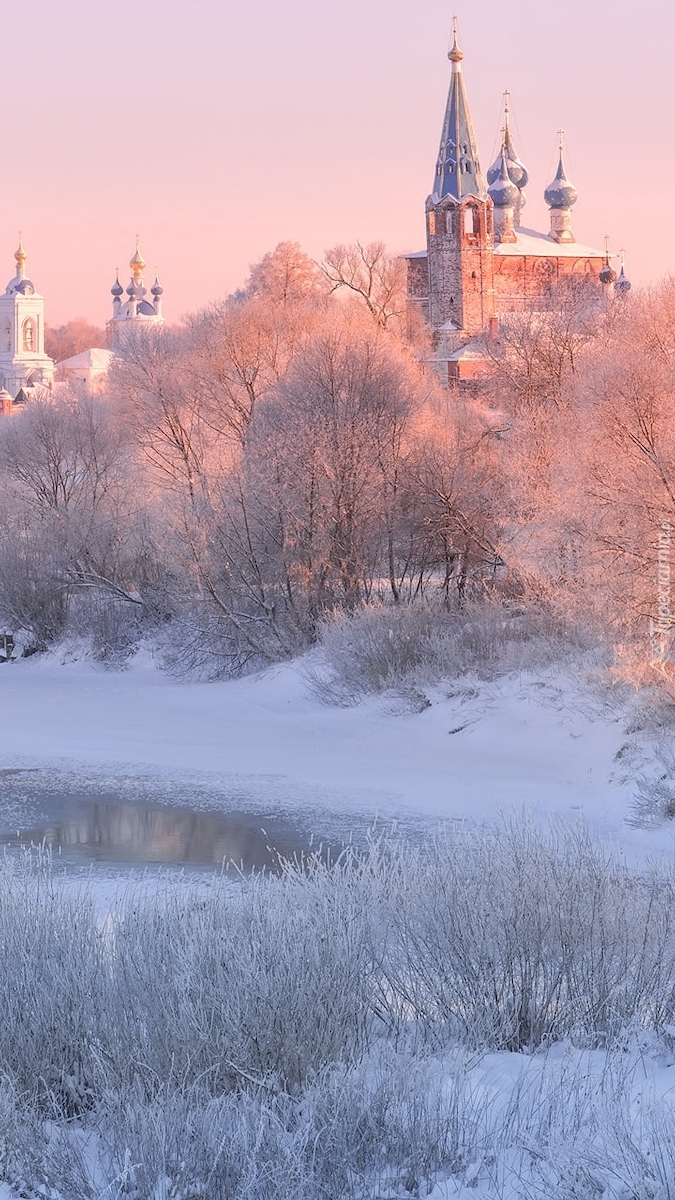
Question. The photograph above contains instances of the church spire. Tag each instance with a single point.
(458, 170)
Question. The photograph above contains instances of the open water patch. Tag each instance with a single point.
(123, 819)
(144, 822)
(86, 829)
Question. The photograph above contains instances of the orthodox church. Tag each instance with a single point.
(136, 312)
(89, 368)
(24, 366)
(480, 262)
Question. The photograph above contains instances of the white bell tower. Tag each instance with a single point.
(23, 362)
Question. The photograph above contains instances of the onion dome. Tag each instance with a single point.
(156, 289)
(502, 190)
(623, 283)
(20, 284)
(607, 275)
(117, 290)
(561, 193)
(455, 54)
(132, 290)
(137, 263)
(518, 172)
(20, 257)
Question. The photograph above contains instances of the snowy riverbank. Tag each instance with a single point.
(550, 741)
(577, 1112)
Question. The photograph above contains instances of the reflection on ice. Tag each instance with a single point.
(93, 830)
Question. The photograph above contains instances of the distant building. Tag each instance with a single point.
(480, 263)
(24, 366)
(136, 312)
(87, 370)
(23, 362)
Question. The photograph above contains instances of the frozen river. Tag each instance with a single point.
(134, 768)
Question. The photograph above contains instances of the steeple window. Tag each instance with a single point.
(471, 221)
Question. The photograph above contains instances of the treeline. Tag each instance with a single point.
(286, 455)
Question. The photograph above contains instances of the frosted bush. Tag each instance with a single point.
(387, 1127)
(270, 981)
(654, 800)
(513, 939)
(50, 989)
(302, 1035)
(410, 647)
(37, 1157)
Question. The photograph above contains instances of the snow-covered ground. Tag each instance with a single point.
(551, 742)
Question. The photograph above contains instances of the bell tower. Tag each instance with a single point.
(459, 221)
(23, 362)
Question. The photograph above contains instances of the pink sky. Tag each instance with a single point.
(217, 129)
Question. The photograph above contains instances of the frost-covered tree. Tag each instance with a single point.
(372, 274)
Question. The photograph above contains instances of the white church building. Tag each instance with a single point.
(137, 312)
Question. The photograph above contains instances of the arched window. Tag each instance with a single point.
(471, 220)
(28, 331)
(7, 338)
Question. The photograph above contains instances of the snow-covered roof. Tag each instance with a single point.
(540, 245)
(532, 244)
(95, 360)
(474, 349)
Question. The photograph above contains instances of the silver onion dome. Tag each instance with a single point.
(623, 283)
(503, 192)
(561, 193)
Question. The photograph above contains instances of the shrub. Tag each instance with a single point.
(409, 648)
(311, 1034)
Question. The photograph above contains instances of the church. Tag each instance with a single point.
(89, 369)
(137, 312)
(480, 263)
(24, 366)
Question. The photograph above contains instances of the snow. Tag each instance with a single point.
(544, 741)
(550, 741)
(539, 245)
(94, 359)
